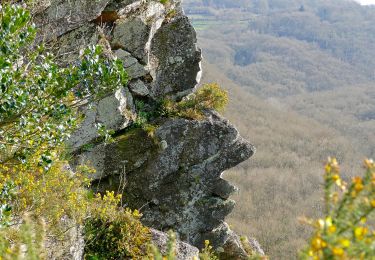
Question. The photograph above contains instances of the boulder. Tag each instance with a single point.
(114, 112)
(63, 16)
(175, 59)
(184, 251)
(175, 177)
(131, 64)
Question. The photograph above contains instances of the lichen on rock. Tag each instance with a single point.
(174, 177)
(179, 187)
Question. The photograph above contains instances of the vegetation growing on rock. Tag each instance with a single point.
(38, 111)
(208, 97)
(115, 233)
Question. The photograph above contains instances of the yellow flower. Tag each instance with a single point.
(358, 185)
(336, 177)
(360, 232)
(338, 251)
(369, 163)
(321, 223)
(318, 243)
(345, 243)
(373, 203)
(328, 168)
(332, 229)
(328, 221)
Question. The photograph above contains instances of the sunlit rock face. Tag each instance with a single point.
(175, 180)
(173, 177)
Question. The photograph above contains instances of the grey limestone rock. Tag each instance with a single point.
(175, 58)
(240, 248)
(174, 178)
(176, 187)
(131, 64)
(114, 112)
(62, 16)
(132, 34)
(68, 247)
(139, 88)
(184, 251)
(68, 46)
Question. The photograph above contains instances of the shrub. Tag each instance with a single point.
(207, 252)
(113, 232)
(29, 236)
(346, 231)
(210, 96)
(38, 110)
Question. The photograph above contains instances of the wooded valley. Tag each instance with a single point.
(301, 78)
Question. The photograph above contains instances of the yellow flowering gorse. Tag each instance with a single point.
(347, 231)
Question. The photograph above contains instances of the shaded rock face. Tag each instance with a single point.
(176, 182)
(173, 178)
(156, 43)
(174, 74)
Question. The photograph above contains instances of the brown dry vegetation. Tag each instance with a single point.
(300, 76)
(283, 180)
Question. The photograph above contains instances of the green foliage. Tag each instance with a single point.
(7, 193)
(115, 233)
(164, 2)
(209, 96)
(346, 231)
(39, 101)
(26, 242)
(38, 96)
(207, 252)
(143, 114)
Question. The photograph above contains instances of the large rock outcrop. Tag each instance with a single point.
(173, 177)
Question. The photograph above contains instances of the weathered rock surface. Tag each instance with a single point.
(114, 112)
(61, 16)
(176, 58)
(236, 247)
(69, 247)
(183, 250)
(174, 178)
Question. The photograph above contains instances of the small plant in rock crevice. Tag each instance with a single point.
(208, 97)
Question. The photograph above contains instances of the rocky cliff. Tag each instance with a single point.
(174, 177)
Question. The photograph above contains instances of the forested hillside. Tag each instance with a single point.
(289, 51)
(301, 76)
